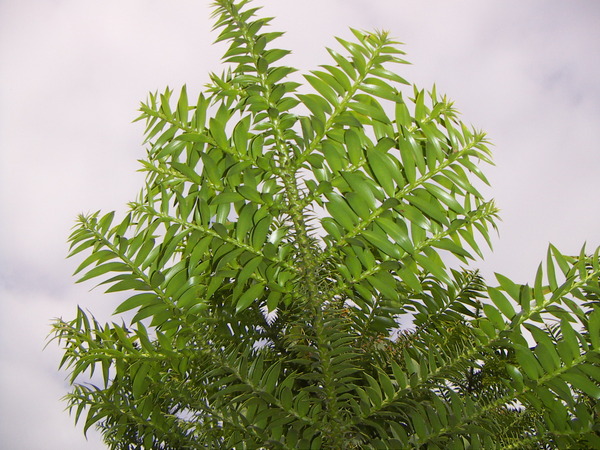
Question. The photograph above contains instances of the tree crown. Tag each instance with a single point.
(287, 280)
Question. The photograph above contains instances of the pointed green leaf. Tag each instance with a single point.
(594, 329)
(382, 167)
(137, 301)
(104, 268)
(340, 211)
(582, 383)
(503, 304)
(253, 293)
(528, 362)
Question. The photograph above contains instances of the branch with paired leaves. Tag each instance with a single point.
(286, 278)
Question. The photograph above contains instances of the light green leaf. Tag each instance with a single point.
(323, 88)
(398, 232)
(226, 197)
(370, 110)
(420, 109)
(382, 167)
(137, 301)
(547, 357)
(131, 283)
(98, 257)
(569, 337)
(381, 89)
(594, 329)
(408, 275)
(358, 205)
(380, 242)
(353, 146)
(408, 160)
(182, 105)
(510, 287)
(503, 304)
(447, 244)
(445, 197)
(340, 211)
(104, 268)
(334, 156)
(388, 75)
(317, 105)
(359, 185)
(345, 65)
(240, 135)
(435, 267)
(494, 315)
(429, 208)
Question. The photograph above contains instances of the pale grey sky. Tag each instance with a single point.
(72, 73)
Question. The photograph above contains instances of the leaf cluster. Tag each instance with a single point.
(285, 267)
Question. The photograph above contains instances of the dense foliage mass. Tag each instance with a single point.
(287, 285)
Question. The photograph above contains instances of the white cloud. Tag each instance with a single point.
(31, 388)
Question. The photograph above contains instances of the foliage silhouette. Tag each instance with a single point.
(287, 286)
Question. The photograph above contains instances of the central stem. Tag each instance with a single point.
(311, 281)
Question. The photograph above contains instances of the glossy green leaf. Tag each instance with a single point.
(370, 110)
(382, 167)
(447, 244)
(260, 232)
(104, 268)
(398, 232)
(323, 88)
(182, 105)
(381, 89)
(503, 304)
(343, 63)
(444, 197)
(528, 363)
(98, 257)
(358, 205)
(508, 286)
(353, 146)
(253, 293)
(359, 185)
(250, 193)
(380, 242)
(434, 267)
(494, 315)
(429, 208)
(249, 269)
(140, 381)
(241, 136)
(136, 301)
(334, 156)
(582, 383)
(340, 211)
(594, 328)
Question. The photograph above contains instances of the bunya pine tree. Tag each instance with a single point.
(288, 281)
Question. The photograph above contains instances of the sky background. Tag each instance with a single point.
(72, 74)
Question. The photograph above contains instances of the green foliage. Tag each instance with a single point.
(286, 279)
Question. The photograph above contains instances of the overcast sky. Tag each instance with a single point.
(72, 74)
